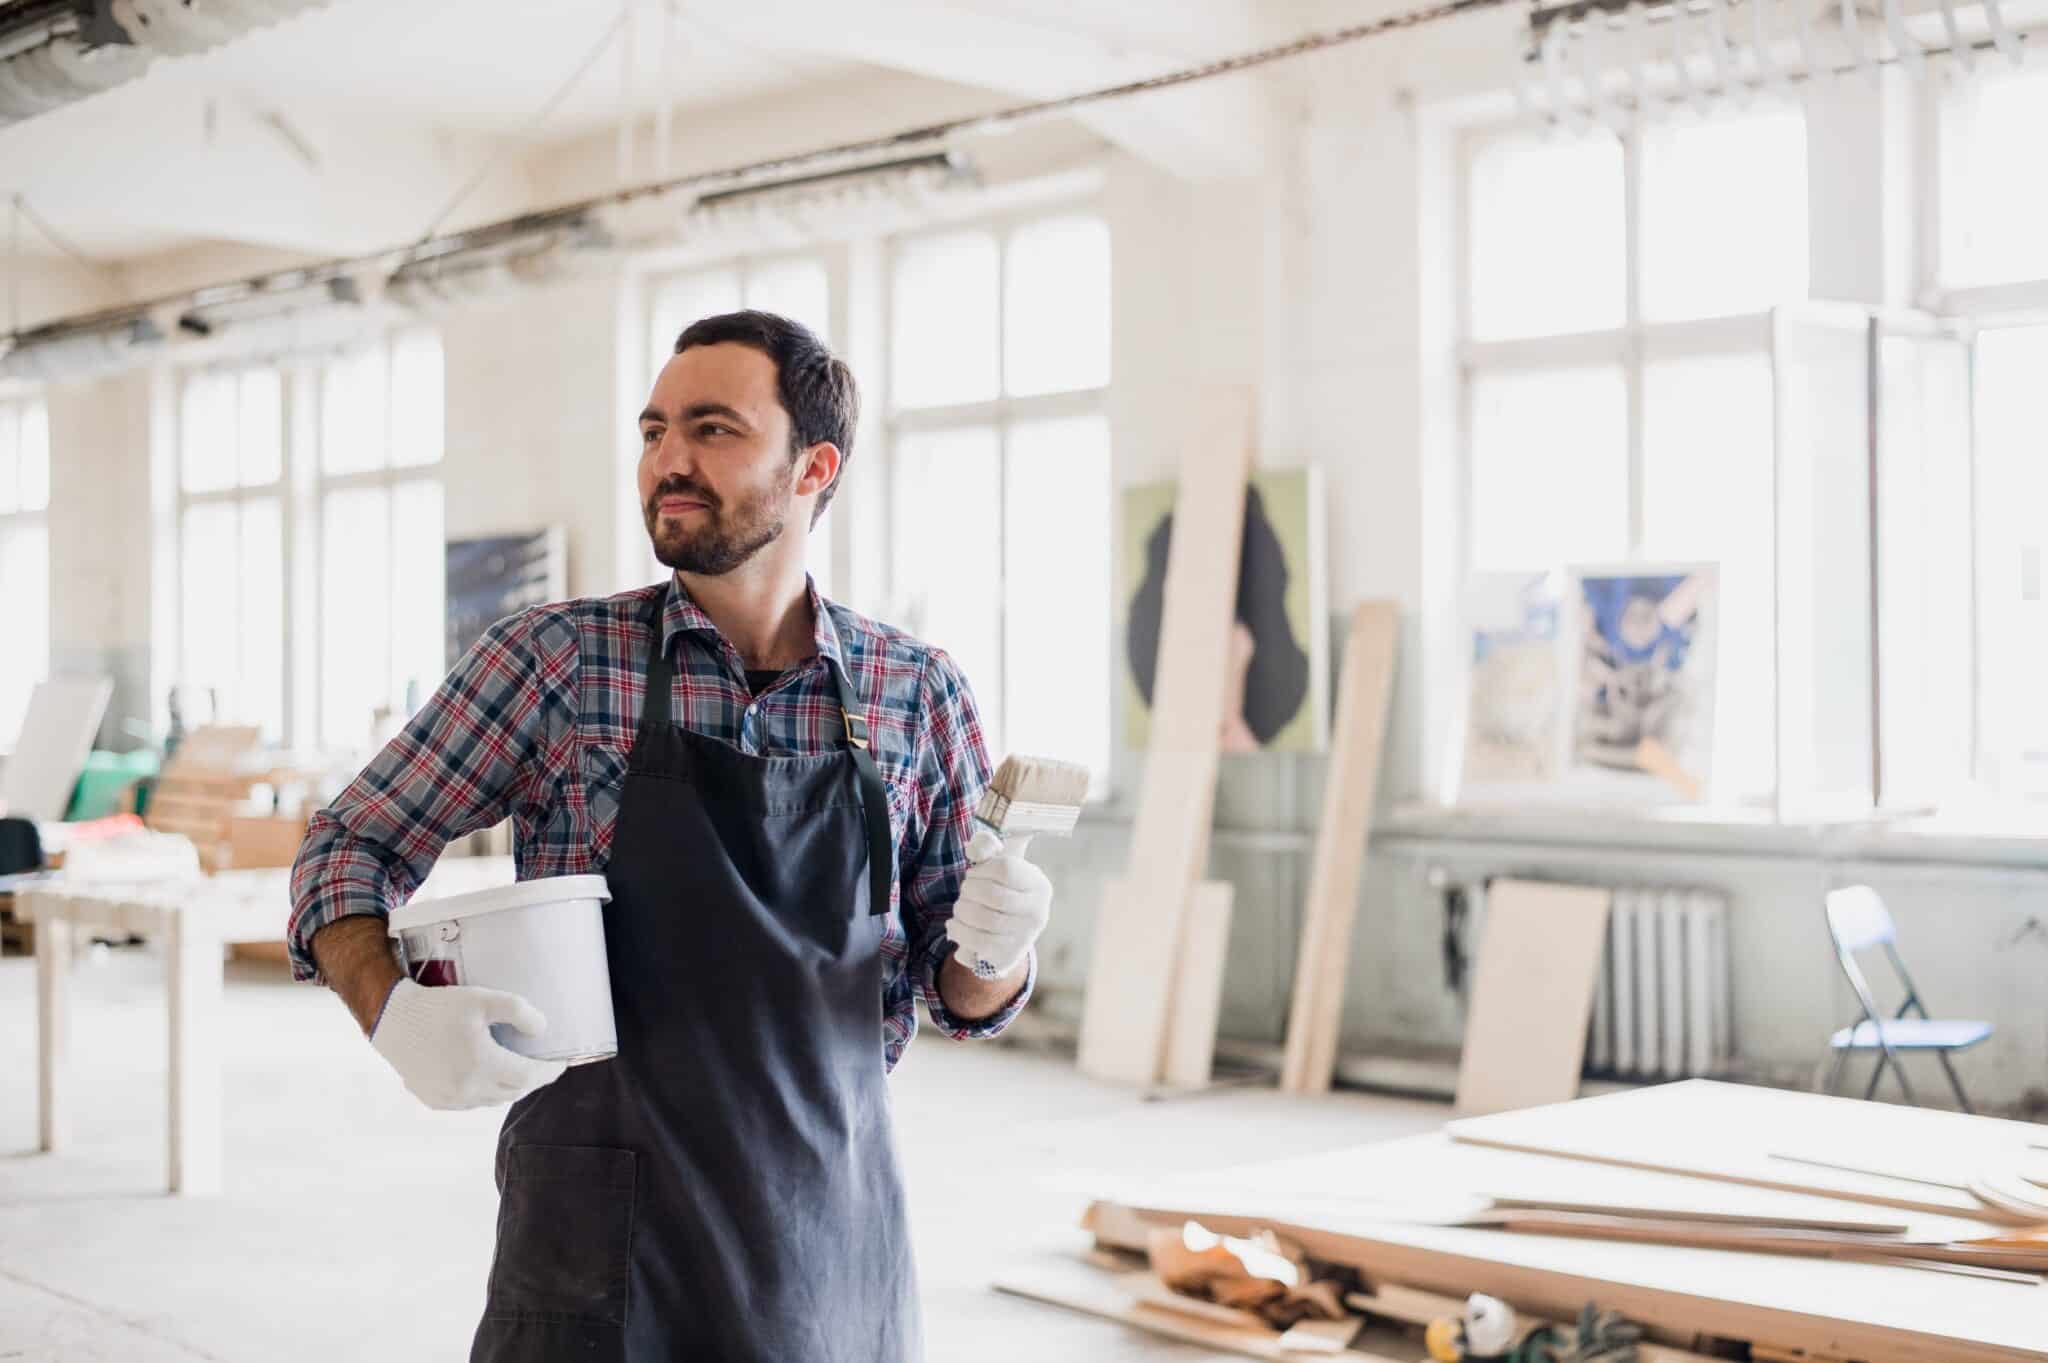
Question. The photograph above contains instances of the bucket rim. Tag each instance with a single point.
(518, 895)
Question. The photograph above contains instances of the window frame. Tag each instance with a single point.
(1632, 347)
(234, 495)
(1972, 310)
(300, 490)
(1003, 413)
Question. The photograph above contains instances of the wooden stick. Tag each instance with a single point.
(1315, 1013)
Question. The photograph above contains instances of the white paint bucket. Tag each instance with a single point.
(540, 939)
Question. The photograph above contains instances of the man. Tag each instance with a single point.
(778, 791)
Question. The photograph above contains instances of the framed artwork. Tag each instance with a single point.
(492, 576)
(1642, 700)
(1517, 681)
(1278, 657)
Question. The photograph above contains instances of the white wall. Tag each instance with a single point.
(534, 430)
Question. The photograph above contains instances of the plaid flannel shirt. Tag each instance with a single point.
(536, 721)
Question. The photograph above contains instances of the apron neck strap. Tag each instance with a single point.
(874, 795)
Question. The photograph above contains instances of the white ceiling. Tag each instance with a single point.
(347, 128)
(374, 111)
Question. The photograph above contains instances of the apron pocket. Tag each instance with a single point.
(565, 1231)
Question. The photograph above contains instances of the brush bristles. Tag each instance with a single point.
(1040, 781)
(1034, 794)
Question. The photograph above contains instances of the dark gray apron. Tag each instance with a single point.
(726, 1188)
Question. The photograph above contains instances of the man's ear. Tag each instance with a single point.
(816, 468)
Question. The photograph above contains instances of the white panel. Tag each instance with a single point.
(1672, 977)
(1622, 945)
(1649, 1017)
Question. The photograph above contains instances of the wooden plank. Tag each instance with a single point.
(1198, 986)
(53, 1032)
(1532, 995)
(1137, 943)
(1316, 1011)
(1347, 1206)
(1741, 1135)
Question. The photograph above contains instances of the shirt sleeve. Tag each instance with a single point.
(952, 768)
(461, 764)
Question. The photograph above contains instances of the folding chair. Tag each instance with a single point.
(1857, 919)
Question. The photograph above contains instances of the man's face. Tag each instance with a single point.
(716, 476)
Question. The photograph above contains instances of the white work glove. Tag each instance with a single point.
(1004, 904)
(439, 1040)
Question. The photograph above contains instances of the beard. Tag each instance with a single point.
(726, 535)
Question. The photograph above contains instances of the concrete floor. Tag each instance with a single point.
(357, 1224)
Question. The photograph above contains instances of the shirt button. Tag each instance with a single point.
(754, 709)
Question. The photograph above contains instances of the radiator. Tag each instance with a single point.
(1660, 1008)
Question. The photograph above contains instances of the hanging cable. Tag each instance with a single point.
(540, 116)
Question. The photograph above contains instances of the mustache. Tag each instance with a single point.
(675, 485)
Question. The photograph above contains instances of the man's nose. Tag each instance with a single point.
(672, 454)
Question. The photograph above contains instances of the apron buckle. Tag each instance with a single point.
(856, 729)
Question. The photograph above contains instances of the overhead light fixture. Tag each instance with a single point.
(528, 250)
(945, 162)
(82, 349)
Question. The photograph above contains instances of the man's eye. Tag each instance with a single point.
(714, 428)
(650, 435)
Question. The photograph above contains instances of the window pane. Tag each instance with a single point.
(355, 613)
(1707, 495)
(419, 583)
(261, 417)
(2012, 554)
(1699, 258)
(943, 310)
(210, 602)
(1994, 199)
(258, 695)
(1925, 698)
(352, 430)
(1548, 242)
(24, 621)
(416, 397)
(1549, 469)
(948, 569)
(1056, 306)
(10, 458)
(680, 300)
(207, 433)
(34, 453)
(1056, 606)
(798, 289)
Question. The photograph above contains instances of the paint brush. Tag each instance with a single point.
(1026, 797)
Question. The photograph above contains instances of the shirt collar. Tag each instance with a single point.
(682, 615)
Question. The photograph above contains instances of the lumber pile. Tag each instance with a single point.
(1730, 1221)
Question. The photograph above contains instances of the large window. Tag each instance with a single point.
(24, 558)
(231, 548)
(327, 477)
(798, 287)
(1002, 489)
(1992, 268)
(1616, 368)
(382, 546)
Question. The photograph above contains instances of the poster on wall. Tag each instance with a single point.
(1278, 658)
(1513, 743)
(492, 576)
(1642, 716)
